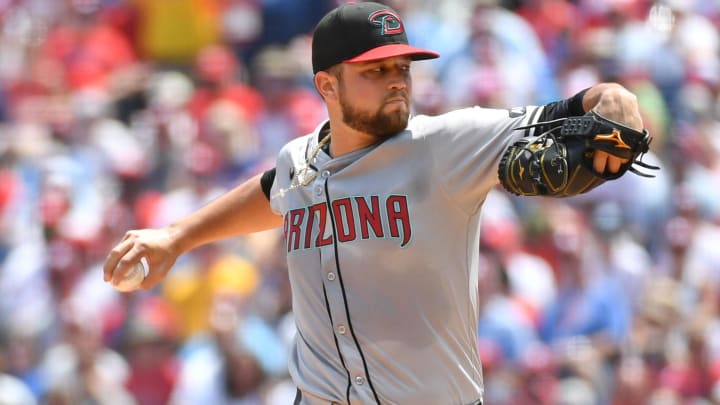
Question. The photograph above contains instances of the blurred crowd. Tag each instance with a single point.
(123, 114)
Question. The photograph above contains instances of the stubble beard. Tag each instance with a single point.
(380, 124)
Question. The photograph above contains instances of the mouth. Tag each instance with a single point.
(397, 97)
(396, 101)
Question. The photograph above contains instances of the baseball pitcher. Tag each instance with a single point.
(381, 212)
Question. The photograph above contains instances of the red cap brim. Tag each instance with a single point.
(389, 51)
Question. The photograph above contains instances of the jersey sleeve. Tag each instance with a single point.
(467, 146)
(266, 181)
(287, 160)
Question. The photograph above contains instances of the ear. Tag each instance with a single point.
(326, 84)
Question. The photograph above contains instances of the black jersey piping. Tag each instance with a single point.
(345, 303)
(337, 345)
(531, 121)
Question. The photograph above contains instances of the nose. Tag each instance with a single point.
(400, 80)
(397, 85)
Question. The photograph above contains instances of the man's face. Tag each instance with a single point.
(375, 96)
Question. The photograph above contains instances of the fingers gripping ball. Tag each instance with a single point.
(133, 277)
(559, 162)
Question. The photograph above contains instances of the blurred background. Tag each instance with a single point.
(122, 114)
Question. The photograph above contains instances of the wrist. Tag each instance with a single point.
(618, 104)
(177, 238)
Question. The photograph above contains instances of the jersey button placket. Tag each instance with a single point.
(318, 186)
(335, 297)
(319, 191)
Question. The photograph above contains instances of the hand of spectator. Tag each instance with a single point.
(155, 245)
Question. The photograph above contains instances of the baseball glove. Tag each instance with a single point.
(558, 162)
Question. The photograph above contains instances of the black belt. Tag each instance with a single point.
(298, 397)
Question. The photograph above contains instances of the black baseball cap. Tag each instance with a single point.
(361, 32)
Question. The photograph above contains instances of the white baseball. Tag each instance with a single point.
(133, 277)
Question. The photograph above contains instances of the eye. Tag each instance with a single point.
(376, 71)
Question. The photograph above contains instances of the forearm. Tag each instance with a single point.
(242, 210)
(614, 102)
(612, 137)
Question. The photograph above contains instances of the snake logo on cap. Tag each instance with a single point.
(388, 22)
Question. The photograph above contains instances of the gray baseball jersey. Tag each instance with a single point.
(382, 251)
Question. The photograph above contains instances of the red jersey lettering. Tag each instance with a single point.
(399, 217)
(294, 228)
(369, 217)
(344, 219)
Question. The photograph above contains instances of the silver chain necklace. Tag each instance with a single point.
(308, 173)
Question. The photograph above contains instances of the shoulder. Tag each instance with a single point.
(295, 150)
(295, 145)
(473, 119)
(424, 125)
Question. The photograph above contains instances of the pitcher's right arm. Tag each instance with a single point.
(243, 210)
